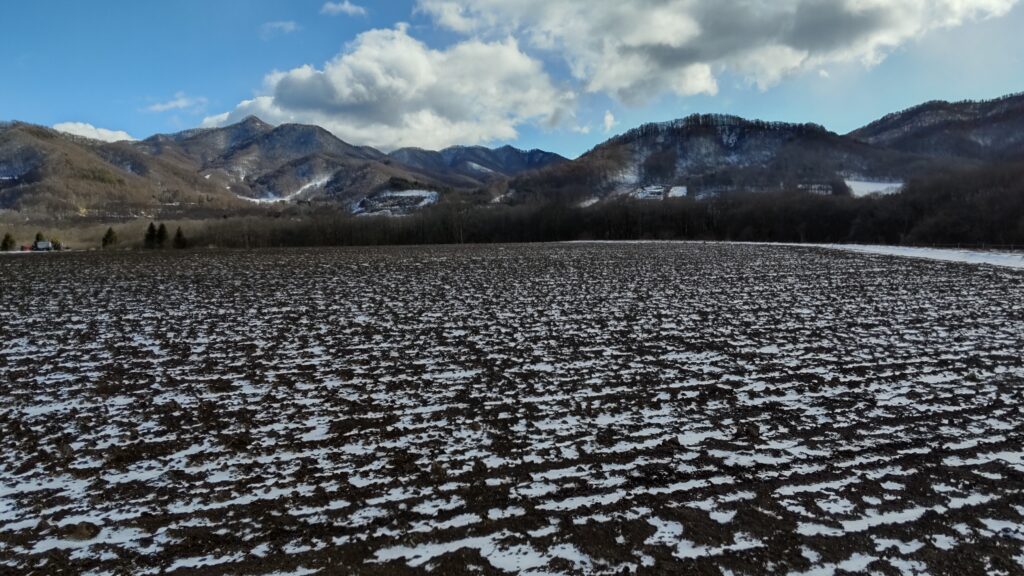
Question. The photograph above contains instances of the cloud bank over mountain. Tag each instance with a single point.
(390, 89)
(89, 131)
(638, 49)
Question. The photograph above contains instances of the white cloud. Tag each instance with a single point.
(346, 7)
(609, 121)
(282, 27)
(181, 101)
(90, 131)
(390, 90)
(447, 13)
(638, 49)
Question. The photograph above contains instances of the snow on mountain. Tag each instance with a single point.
(707, 155)
(395, 202)
(698, 156)
(865, 188)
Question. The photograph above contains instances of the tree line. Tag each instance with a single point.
(971, 208)
(979, 207)
(156, 238)
(8, 242)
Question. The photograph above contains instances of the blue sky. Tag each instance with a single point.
(548, 80)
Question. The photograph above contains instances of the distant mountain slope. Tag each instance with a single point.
(203, 146)
(987, 130)
(295, 162)
(49, 172)
(477, 162)
(241, 167)
(255, 160)
(713, 153)
(287, 143)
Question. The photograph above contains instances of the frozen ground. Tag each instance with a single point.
(992, 258)
(569, 409)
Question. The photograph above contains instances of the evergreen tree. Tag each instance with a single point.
(150, 242)
(8, 243)
(180, 243)
(161, 236)
(110, 238)
(40, 237)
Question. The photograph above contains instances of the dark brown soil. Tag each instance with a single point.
(575, 409)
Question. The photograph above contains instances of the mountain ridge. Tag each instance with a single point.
(479, 162)
(252, 164)
(975, 129)
(707, 154)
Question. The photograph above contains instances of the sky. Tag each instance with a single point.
(561, 75)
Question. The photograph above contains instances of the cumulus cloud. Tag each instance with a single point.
(609, 121)
(390, 90)
(282, 27)
(181, 101)
(90, 131)
(347, 8)
(449, 14)
(638, 49)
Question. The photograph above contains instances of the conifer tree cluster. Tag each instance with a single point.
(7, 244)
(157, 236)
(180, 243)
(109, 239)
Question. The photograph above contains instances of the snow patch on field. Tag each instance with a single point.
(989, 257)
(1005, 259)
(542, 409)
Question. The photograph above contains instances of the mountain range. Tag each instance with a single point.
(253, 166)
